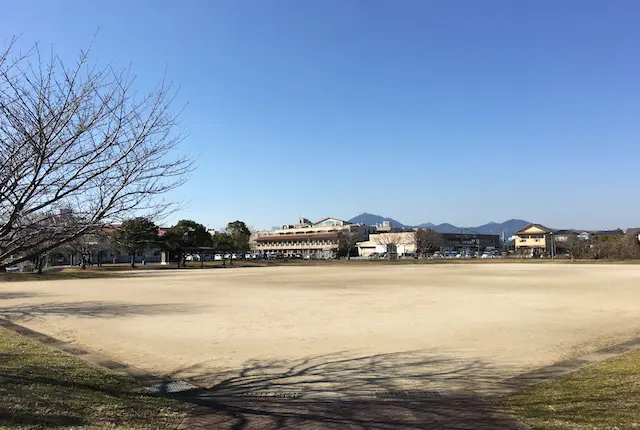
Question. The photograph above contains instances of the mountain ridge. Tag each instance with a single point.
(509, 227)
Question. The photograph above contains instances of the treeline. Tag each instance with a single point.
(618, 246)
(138, 235)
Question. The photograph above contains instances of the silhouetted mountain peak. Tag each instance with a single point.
(509, 227)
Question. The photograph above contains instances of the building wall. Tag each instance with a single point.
(537, 241)
(457, 242)
(533, 237)
(318, 239)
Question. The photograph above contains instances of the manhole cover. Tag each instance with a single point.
(170, 387)
(406, 394)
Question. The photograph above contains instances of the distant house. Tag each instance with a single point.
(635, 232)
(592, 234)
(534, 240)
(564, 235)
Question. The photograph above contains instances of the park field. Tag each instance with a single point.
(339, 328)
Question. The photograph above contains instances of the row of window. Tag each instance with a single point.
(532, 236)
(307, 232)
(313, 242)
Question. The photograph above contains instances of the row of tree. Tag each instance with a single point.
(612, 246)
(138, 235)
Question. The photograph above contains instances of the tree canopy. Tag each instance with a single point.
(134, 236)
(239, 235)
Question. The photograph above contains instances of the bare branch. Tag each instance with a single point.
(81, 139)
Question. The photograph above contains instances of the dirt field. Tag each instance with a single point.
(340, 329)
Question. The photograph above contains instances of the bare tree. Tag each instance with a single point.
(573, 245)
(86, 244)
(79, 147)
(389, 241)
(427, 240)
(347, 240)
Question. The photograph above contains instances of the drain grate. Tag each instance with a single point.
(170, 387)
(406, 394)
(274, 394)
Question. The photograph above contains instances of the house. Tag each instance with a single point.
(534, 240)
(561, 236)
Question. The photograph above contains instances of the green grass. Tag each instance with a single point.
(600, 396)
(43, 387)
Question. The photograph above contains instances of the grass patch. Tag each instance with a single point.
(43, 387)
(124, 270)
(601, 396)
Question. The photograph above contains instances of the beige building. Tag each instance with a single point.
(308, 239)
(534, 240)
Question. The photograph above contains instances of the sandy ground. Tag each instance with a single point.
(340, 328)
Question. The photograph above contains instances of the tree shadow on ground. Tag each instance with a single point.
(91, 309)
(383, 391)
(17, 295)
(59, 275)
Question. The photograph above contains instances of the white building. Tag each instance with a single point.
(400, 243)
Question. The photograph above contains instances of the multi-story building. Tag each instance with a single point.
(403, 243)
(534, 240)
(306, 238)
(470, 242)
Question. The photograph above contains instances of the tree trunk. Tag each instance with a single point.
(84, 262)
(40, 260)
(133, 261)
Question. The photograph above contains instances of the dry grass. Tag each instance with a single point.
(601, 396)
(42, 387)
(119, 270)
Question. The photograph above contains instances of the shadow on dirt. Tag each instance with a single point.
(91, 309)
(18, 295)
(338, 392)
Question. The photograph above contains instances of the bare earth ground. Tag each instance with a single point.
(340, 329)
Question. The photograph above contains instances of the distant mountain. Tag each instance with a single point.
(447, 228)
(509, 227)
(371, 219)
(426, 225)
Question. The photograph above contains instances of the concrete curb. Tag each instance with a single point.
(562, 368)
(144, 377)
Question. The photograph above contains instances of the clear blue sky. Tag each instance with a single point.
(451, 111)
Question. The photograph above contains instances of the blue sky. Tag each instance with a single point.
(422, 111)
